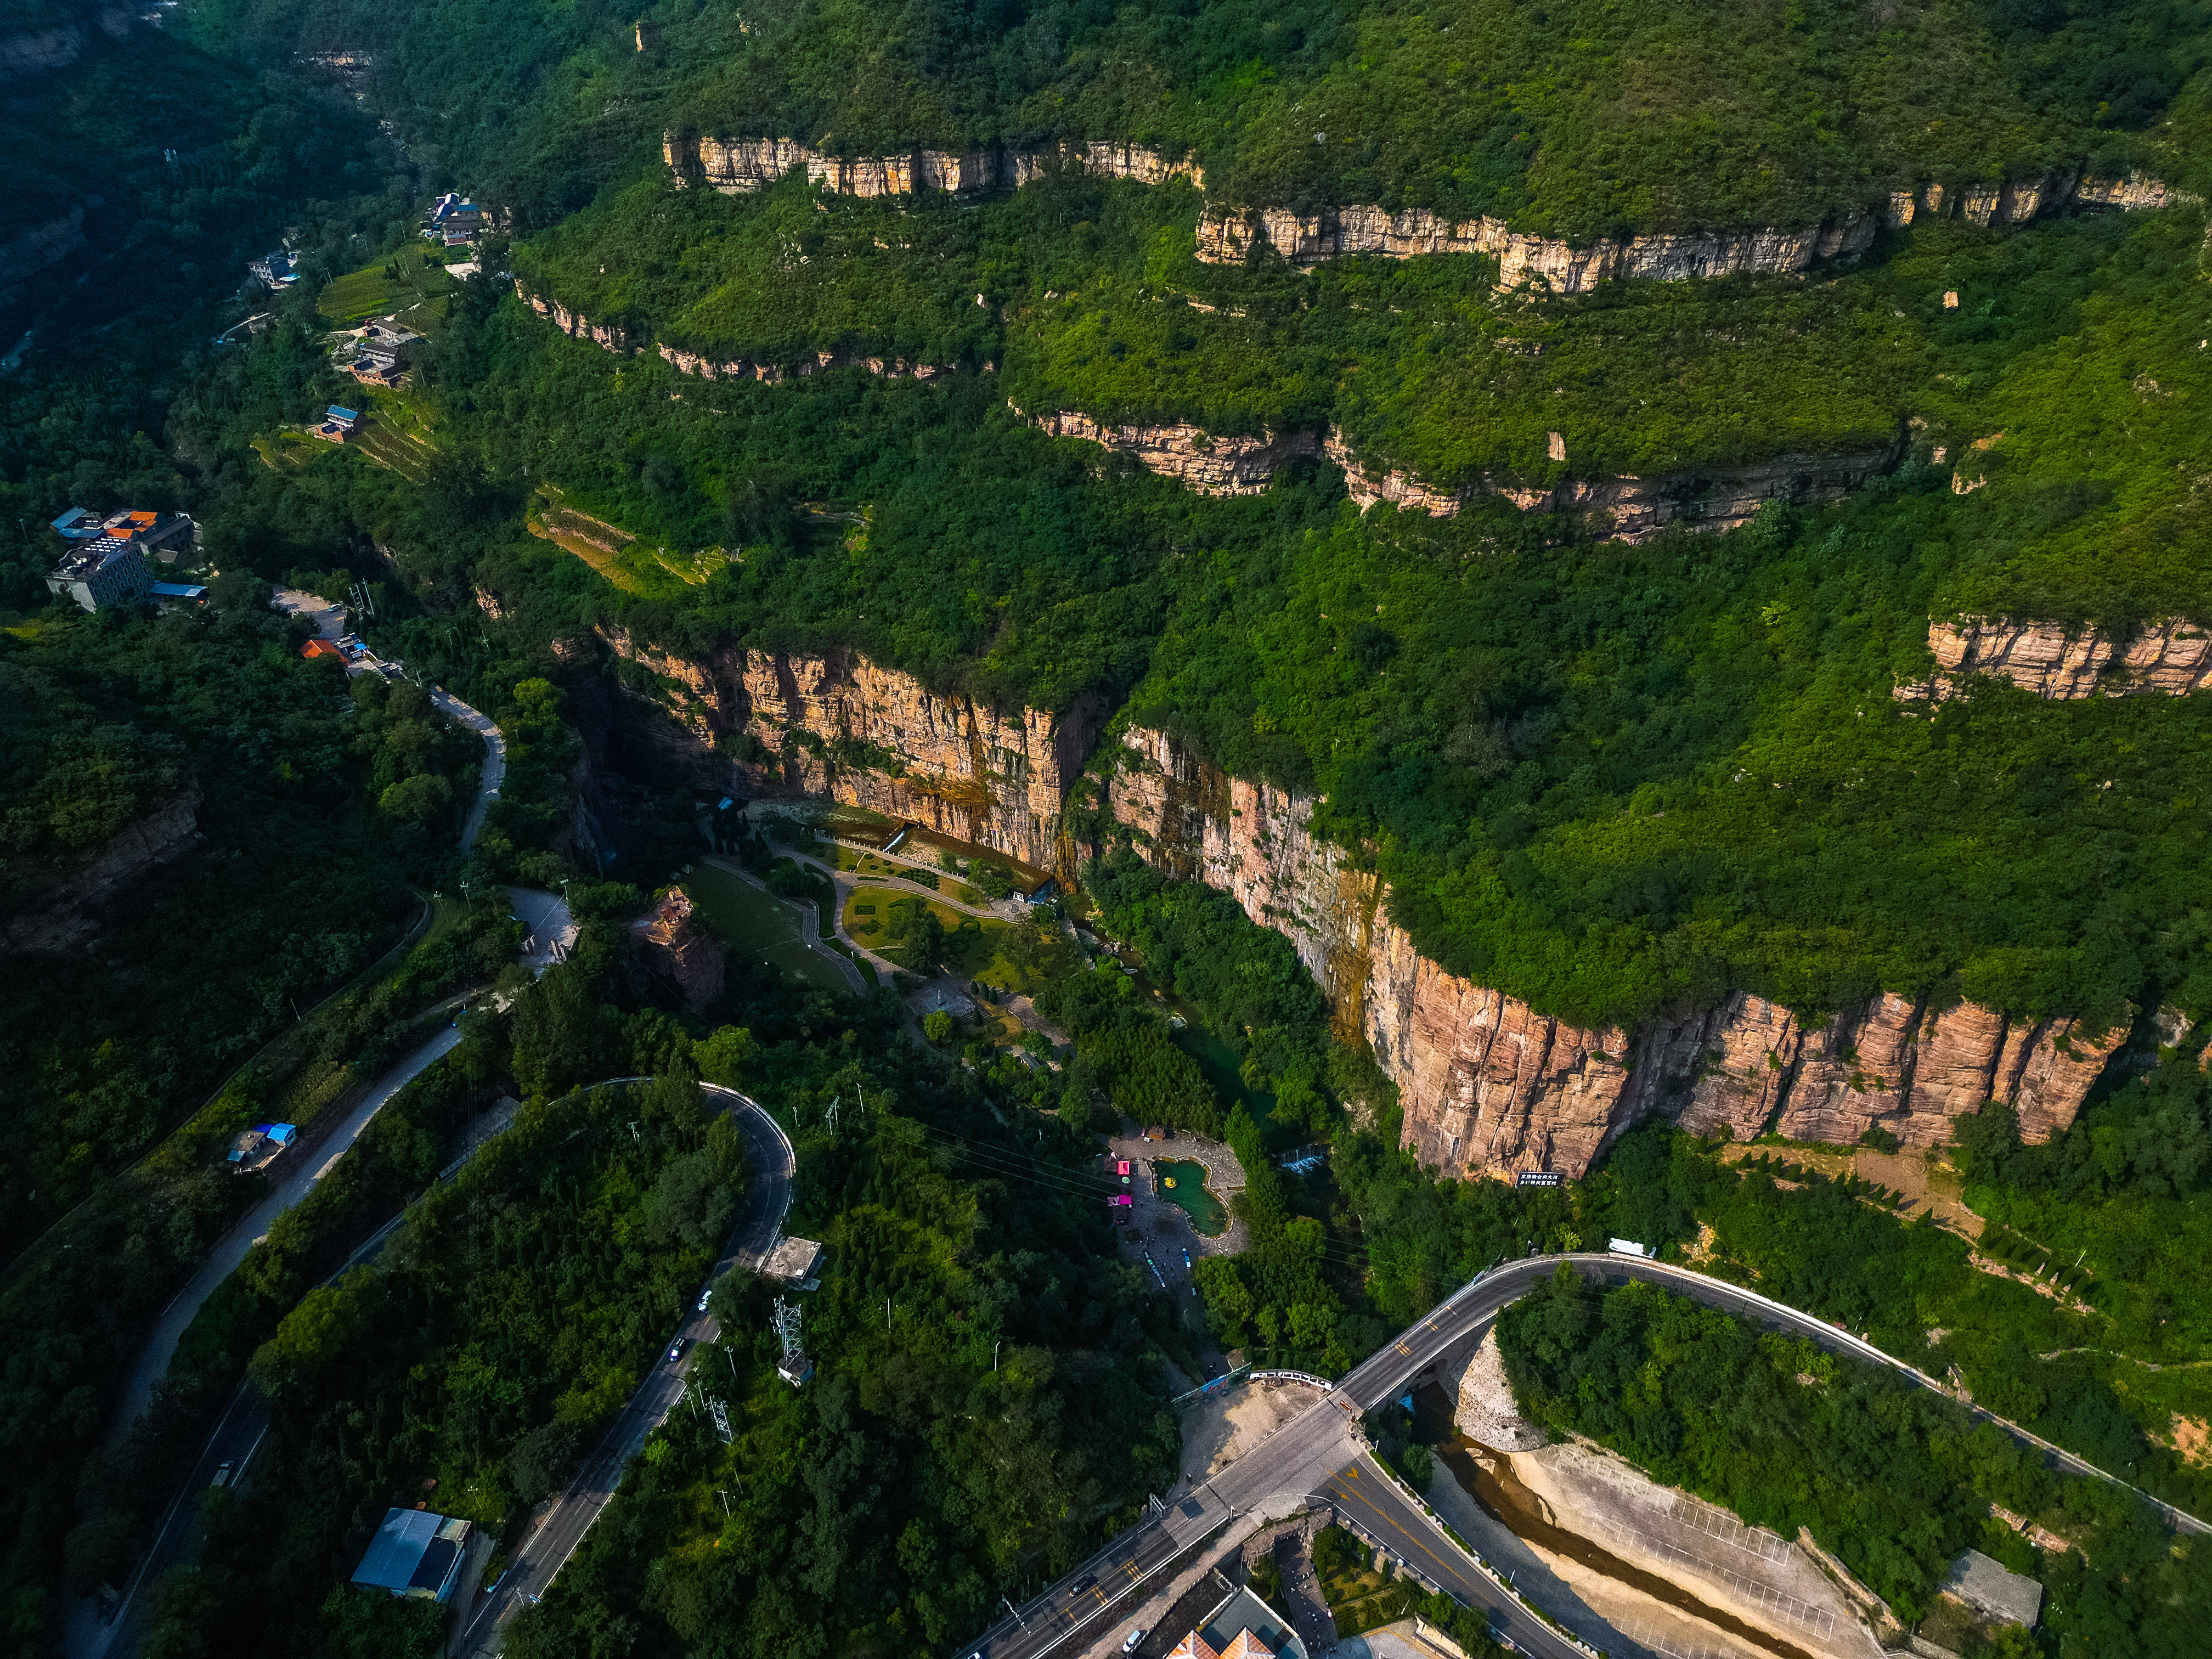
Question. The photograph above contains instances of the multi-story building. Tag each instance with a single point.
(102, 573)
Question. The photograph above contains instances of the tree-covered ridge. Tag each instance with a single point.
(1602, 777)
(1893, 1478)
(1578, 119)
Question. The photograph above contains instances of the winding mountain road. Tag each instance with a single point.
(1319, 1454)
(772, 1163)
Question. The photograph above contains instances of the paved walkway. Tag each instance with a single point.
(1165, 1226)
(330, 620)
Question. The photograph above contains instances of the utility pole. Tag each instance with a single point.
(724, 1496)
(995, 1346)
(1015, 1611)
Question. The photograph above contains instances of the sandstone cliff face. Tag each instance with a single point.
(66, 914)
(876, 738)
(619, 341)
(1490, 1086)
(2168, 657)
(740, 166)
(742, 369)
(1211, 465)
(1227, 233)
(576, 325)
(679, 950)
(1226, 236)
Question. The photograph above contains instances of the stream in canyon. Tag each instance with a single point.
(1487, 1476)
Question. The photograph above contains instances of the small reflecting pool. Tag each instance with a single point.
(1182, 1181)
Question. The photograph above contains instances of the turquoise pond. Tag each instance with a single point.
(1207, 1214)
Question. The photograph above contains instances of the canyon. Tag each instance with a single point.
(2167, 656)
(1488, 1085)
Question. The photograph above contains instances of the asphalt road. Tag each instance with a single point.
(1379, 1507)
(1318, 1452)
(294, 1183)
(768, 1156)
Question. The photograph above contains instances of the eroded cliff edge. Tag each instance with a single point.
(1491, 1086)
(1488, 1085)
(836, 727)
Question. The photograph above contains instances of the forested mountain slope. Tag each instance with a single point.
(1576, 119)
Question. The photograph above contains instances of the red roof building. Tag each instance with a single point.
(314, 648)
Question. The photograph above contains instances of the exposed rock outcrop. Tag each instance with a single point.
(577, 325)
(1489, 1085)
(1625, 507)
(2168, 657)
(1211, 465)
(839, 727)
(613, 337)
(1486, 1411)
(679, 950)
(67, 912)
(739, 166)
(744, 368)
(1227, 237)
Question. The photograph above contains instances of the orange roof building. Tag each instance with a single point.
(1242, 1627)
(314, 648)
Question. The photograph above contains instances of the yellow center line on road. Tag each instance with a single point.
(1376, 1510)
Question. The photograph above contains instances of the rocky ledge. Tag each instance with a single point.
(1488, 1085)
(837, 726)
(741, 166)
(677, 948)
(2168, 657)
(1227, 234)
(1211, 465)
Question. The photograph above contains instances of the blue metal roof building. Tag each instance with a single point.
(415, 1553)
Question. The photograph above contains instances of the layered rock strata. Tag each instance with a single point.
(679, 949)
(613, 338)
(1627, 507)
(1487, 1084)
(577, 325)
(837, 726)
(2168, 657)
(1227, 234)
(66, 914)
(1228, 237)
(1490, 1086)
(741, 166)
(1211, 465)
